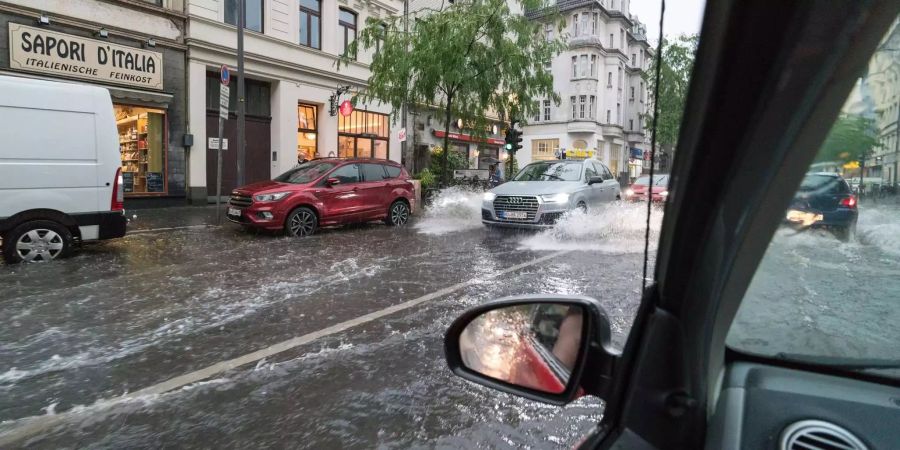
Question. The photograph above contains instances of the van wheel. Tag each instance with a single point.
(398, 214)
(582, 207)
(40, 240)
(301, 222)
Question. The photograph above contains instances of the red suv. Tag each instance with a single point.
(325, 192)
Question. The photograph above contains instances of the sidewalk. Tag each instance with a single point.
(170, 217)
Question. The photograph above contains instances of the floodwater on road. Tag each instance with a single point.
(124, 315)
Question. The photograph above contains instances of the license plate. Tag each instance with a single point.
(234, 212)
(515, 215)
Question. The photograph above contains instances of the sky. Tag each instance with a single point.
(682, 16)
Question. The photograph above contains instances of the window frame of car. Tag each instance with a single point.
(365, 178)
(589, 165)
(359, 177)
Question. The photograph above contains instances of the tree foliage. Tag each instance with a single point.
(675, 76)
(468, 59)
(851, 137)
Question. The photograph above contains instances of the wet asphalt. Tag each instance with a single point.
(123, 315)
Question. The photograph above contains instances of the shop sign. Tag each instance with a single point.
(50, 53)
(402, 135)
(224, 92)
(637, 153)
(213, 144)
(468, 138)
(346, 108)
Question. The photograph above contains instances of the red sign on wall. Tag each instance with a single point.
(467, 138)
(346, 108)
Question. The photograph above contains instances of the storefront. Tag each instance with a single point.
(307, 132)
(145, 81)
(364, 134)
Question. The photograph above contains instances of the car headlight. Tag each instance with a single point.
(629, 192)
(273, 197)
(489, 196)
(562, 197)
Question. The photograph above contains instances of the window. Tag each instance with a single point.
(572, 100)
(630, 124)
(346, 174)
(346, 28)
(310, 19)
(575, 24)
(622, 39)
(143, 149)
(537, 111)
(605, 172)
(631, 97)
(590, 171)
(591, 110)
(154, 2)
(642, 92)
(584, 24)
(584, 65)
(593, 65)
(609, 80)
(373, 172)
(618, 113)
(582, 99)
(633, 59)
(546, 109)
(608, 113)
(307, 134)
(574, 66)
(548, 32)
(594, 24)
(253, 14)
(610, 40)
(621, 78)
(363, 134)
(392, 171)
(544, 149)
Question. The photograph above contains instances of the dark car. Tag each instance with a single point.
(325, 192)
(825, 201)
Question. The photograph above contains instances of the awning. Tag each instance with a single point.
(468, 138)
(138, 97)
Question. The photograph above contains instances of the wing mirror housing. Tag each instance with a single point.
(596, 179)
(535, 346)
(332, 182)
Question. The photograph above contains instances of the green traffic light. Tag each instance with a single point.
(509, 146)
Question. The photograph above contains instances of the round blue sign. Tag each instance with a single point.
(224, 75)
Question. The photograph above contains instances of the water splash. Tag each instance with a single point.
(614, 228)
(454, 209)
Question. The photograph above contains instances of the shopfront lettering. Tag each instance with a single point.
(52, 53)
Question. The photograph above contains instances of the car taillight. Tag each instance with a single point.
(849, 202)
(118, 195)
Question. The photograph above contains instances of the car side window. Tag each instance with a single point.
(373, 172)
(603, 171)
(392, 171)
(589, 171)
(346, 174)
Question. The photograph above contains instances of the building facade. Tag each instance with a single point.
(133, 48)
(291, 52)
(599, 79)
(882, 89)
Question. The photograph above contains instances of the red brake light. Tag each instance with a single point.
(117, 203)
(849, 202)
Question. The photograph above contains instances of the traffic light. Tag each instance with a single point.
(513, 140)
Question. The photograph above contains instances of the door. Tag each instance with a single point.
(610, 185)
(374, 190)
(343, 201)
(594, 191)
(257, 165)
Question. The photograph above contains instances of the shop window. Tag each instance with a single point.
(347, 27)
(142, 148)
(253, 14)
(363, 134)
(307, 132)
(310, 20)
(544, 149)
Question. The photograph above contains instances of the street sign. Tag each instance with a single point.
(224, 75)
(224, 91)
(402, 134)
(213, 144)
(346, 108)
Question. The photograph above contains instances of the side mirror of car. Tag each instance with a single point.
(595, 179)
(332, 181)
(536, 347)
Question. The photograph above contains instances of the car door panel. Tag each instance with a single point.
(374, 191)
(342, 201)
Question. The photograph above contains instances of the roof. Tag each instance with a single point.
(358, 160)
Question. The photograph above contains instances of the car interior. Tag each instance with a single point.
(769, 80)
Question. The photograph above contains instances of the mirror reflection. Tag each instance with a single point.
(534, 346)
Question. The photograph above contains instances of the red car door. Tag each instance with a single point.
(375, 190)
(343, 201)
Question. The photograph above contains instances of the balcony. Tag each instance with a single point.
(581, 126)
(613, 130)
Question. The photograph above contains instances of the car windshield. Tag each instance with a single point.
(305, 173)
(550, 171)
(658, 180)
(826, 290)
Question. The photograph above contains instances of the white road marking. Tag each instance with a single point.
(33, 425)
(154, 230)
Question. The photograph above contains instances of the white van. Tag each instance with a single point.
(60, 169)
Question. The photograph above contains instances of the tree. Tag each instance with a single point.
(468, 59)
(675, 77)
(851, 137)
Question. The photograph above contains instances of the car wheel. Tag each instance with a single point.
(845, 234)
(398, 214)
(40, 240)
(301, 222)
(582, 206)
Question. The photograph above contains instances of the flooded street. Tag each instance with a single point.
(80, 336)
